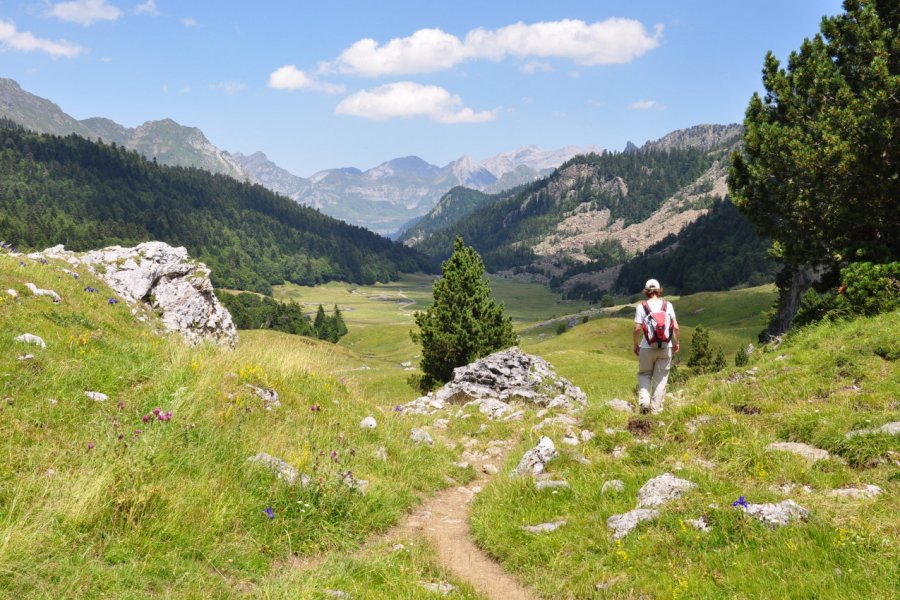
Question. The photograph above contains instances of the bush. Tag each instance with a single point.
(866, 289)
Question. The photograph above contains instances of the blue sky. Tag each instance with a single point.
(317, 85)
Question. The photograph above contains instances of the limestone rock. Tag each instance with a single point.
(166, 279)
(544, 527)
(858, 492)
(662, 489)
(535, 460)
(368, 423)
(97, 396)
(620, 405)
(12, 293)
(496, 380)
(268, 396)
(565, 420)
(808, 452)
(28, 338)
(282, 469)
(700, 524)
(551, 484)
(778, 514)
(39, 292)
(420, 436)
(624, 523)
(490, 469)
(892, 428)
(442, 588)
(613, 485)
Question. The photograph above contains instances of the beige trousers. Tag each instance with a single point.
(653, 373)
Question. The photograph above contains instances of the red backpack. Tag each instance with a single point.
(657, 325)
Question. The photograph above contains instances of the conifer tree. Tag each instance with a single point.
(741, 359)
(464, 323)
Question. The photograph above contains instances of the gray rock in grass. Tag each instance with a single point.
(544, 527)
(662, 489)
(810, 453)
(29, 338)
(535, 460)
(420, 436)
(624, 523)
(39, 292)
(613, 485)
(777, 514)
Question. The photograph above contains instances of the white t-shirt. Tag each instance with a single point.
(655, 305)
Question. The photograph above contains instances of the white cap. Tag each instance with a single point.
(651, 284)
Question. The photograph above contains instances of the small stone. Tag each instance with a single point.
(420, 436)
(97, 396)
(282, 469)
(858, 492)
(398, 547)
(543, 527)
(39, 292)
(624, 523)
(25, 357)
(12, 293)
(778, 514)
(662, 489)
(805, 450)
(551, 484)
(613, 485)
(700, 524)
(441, 423)
(381, 454)
(268, 396)
(368, 423)
(618, 452)
(570, 439)
(28, 338)
(535, 460)
(610, 431)
(586, 435)
(892, 428)
(490, 469)
(620, 405)
(443, 589)
(337, 594)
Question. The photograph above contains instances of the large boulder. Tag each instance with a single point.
(164, 278)
(493, 381)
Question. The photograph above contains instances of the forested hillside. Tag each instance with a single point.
(67, 190)
(716, 252)
(631, 186)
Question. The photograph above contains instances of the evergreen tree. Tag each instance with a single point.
(818, 169)
(339, 325)
(741, 358)
(319, 323)
(464, 323)
(720, 362)
(701, 354)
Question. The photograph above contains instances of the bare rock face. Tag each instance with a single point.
(660, 490)
(165, 278)
(808, 452)
(493, 381)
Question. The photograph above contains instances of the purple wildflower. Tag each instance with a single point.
(90, 290)
(157, 410)
(121, 404)
(21, 263)
(334, 455)
(315, 408)
(740, 502)
(398, 408)
(269, 512)
(90, 445)
(145, 418)
(75, 275)
(113, 301)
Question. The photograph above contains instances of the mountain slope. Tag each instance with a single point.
(618, 203)
(83, 194)
(165, 140)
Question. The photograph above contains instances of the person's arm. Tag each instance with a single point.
(676, 337)
(637, 335)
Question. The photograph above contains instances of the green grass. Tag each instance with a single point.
(821, 384)
(95, 502)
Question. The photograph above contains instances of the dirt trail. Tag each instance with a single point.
(445, 519)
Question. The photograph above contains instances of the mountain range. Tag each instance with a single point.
(383, 199)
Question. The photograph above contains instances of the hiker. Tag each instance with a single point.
(655, 340)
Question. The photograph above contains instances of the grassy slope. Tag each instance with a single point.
(176, 510)
(821, 384)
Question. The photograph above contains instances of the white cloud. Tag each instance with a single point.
(613, 41)
(646, 105)
(534, 66)
(26, 41)
(229, 87)
(189, 22)
(148, 7)
(84, 12)
(408, 99)
(290, 77)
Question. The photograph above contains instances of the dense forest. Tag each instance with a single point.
(252, 311)
(88, 195)
(503, 231)
(717, 252)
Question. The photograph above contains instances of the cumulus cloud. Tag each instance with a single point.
(408, 99)
(613, 41)
(26, 41)
(291, 78)
(189, 22)
(646, 105)
(148, 7)
(84, 12)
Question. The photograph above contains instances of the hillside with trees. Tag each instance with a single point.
(68, 190)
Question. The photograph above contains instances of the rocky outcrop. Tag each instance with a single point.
(535, 460)
(494, 381)
(778, 514)
(165, 279)
(662, 489)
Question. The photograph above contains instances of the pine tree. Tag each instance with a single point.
(701, 354)
(319, 323)
(339, 324)
(719, 363)
(464, 323)
(741, 359)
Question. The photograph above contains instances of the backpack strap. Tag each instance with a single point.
(647, 312)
